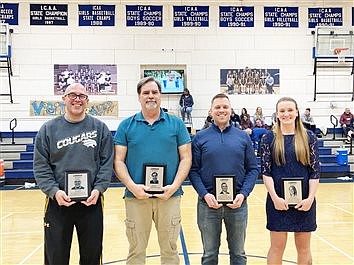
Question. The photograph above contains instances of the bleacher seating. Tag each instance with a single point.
(18, 158)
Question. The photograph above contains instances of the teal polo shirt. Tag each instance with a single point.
(152, 144)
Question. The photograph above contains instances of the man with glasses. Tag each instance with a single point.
(73, 142)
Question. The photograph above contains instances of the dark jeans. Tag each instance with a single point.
(347, 129)
(210, 224)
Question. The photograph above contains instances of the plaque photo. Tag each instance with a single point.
(224, 188)
(77, 185)
(155, 177)
(292, 189)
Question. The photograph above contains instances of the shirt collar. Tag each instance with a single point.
(228, 127)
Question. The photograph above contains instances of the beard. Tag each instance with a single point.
(151, 105)
(76, 110)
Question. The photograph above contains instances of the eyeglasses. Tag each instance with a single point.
(73, 96)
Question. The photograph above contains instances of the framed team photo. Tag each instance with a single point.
(77, 185)
(292, 189)
(155, 177)
(224, 188)
(98, 79)
(250, 81)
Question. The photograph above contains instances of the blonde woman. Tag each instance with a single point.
(290, 151)
(258, 115)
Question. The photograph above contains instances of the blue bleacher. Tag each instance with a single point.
(25, 174)
(22, 164)
(19, 134)
(22, 167)
(26, 155)
(328, 158)
(337, 130)
(324, 151)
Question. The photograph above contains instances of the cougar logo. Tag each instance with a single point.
(79, 138)
(89, 143)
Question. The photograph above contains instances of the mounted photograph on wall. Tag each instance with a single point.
(98, 79)
(248, 81)
(171, 77)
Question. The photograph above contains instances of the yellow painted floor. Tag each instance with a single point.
(21, 232)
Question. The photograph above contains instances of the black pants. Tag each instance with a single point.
(59, 222)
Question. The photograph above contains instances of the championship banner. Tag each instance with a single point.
(328, 16)
(9, 13)
(143, 16)
(55, 108)
(49, 14)
(96, 15)
(281, 17)
(236, 16)
(191, 16)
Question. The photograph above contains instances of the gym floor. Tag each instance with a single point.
(21, 234)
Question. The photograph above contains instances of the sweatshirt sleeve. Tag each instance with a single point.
(43, 172)
(342, 119)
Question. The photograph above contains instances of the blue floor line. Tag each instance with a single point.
(184, 248)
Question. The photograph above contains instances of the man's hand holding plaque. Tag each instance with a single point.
(155, 177)
(77, 185)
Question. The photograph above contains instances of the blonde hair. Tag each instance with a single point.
(302, 149)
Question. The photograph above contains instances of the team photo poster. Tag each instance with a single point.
(98, 79)
(248, 81)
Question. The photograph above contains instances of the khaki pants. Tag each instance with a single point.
(167, 218)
